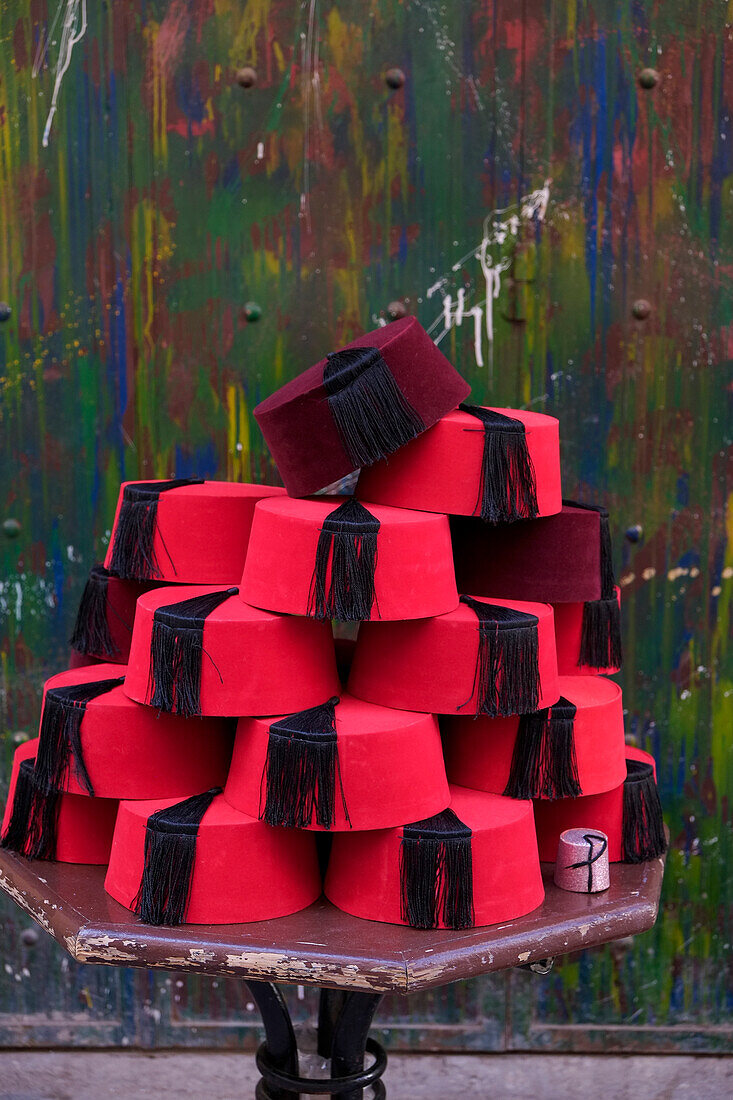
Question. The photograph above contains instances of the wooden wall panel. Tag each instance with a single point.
(173, 246)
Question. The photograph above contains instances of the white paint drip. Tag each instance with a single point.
(73, 29)
(311, 85)
(499, 226)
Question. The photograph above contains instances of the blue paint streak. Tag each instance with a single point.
(202, 462)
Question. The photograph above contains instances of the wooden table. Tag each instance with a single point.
(354, 962)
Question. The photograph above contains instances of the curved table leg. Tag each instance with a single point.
(348, 1017)
(282, 1048)
(344, 1020)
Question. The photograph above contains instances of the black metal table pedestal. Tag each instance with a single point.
(344, 1019)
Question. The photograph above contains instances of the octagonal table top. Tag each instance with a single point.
(321, 945)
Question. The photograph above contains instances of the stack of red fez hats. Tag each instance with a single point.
(205, 738)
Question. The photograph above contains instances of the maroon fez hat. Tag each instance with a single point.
(550, 559)
(575, 747)
(345, 764)
(630, 815)
(48, 824)
(566, 558)
(501, 465)
(358, 405)
(475, 863)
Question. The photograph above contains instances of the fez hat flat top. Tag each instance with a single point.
(299, 427)
(552, 558)
(440, 471)
(243, 870)
(414, 574)
(390, 766)
(133, 751)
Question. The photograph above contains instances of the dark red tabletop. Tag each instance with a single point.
(320, 945)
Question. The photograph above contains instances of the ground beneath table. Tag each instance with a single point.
(90, 1075)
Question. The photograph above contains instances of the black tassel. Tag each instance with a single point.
(507, 677)
(348, 539)
(600, 640)
(372, 415)
(91, 630)
(508, 487)
(600, 637)
(643, 826)
(170, 854)
(544, 764)
(177, 652)
(60, 738)
(302, 764)
(436, 873)
(31, 830)
(133, 551)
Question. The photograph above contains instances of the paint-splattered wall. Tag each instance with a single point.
(549, 186)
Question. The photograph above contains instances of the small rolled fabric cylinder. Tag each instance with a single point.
(389, 769)
(84, 826)
(508, 755)
(551, 559)
(103, 628)
(568, 635)
(452, 469)
(192, 532)
(582, 861)
(132, 751)
(606, 812)
(242, 869)
(366, 871)
(309, 557)
(348, 410)
(249, 661)
(436, 665)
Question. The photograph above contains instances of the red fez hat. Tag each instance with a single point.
(200, 861)
(95, 740)
(630, 815)
(493, 658)
(185, 531)
(103, 627)
(335, 558)
(572, 641)
(499, 464)
(358, 405)
(474, 864)
(575, 747)
(565, 558)
(71, 828)
(202, 650)
(343, 765)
